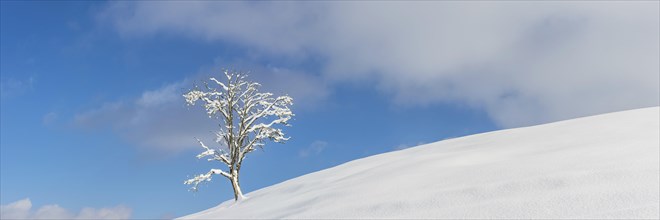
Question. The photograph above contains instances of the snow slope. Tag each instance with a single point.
(604, 166)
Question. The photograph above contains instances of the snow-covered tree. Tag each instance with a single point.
(247, 119)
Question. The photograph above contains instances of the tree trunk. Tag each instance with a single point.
(238, 194)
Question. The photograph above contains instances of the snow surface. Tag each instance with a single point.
(604, 166)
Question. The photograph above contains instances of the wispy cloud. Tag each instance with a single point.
(15, 87)
(524, 63)
(314, 149)
(22, 209)
(159, 121)
(49, 118)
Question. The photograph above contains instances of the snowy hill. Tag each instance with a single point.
(604, 166)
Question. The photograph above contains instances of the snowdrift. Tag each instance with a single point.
(604, 166)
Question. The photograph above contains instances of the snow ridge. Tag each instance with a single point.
(605, 166)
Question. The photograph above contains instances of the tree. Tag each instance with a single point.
(247, 119)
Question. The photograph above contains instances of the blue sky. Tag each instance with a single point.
(92, 113)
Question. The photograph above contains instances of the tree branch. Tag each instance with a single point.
(205, 177)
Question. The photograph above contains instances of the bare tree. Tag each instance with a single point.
(247, 117)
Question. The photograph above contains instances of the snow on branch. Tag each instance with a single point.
(219, 155)
(247, 120)
(204, 178)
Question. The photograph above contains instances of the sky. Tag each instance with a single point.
(93, 122)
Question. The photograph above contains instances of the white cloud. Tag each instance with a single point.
(22, 209)
(522, 62)
(160, 122)
(314, 149)
(50, 212)
(16, 210)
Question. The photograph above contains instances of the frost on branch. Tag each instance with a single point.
(247, 119)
